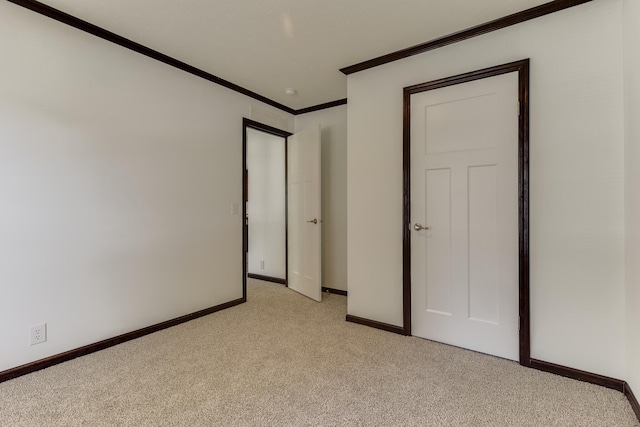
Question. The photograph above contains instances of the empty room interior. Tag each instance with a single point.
(423, 212)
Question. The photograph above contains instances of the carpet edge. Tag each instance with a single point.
(375, 324)
(632, 400)
(47, 362)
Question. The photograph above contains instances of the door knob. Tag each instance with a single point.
(313, 221)
(419, 227)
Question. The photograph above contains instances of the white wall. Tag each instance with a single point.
(333, 122)
(117, 177)
(576, 179)
(632, 168)
(266, 207)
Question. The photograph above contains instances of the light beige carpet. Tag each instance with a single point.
(284, 360)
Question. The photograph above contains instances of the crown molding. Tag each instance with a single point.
(478, 30)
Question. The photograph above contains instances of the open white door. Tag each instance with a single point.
(304, 224)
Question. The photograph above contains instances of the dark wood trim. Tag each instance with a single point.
(87, 27)
(92, 29)
(321, 106)
(110, 342)
(522, 68)
(248, 123)
(286, 211)
(577, 374)
(632, 400)
(374, 324)
(589, 377)
(406, 211)
(523, 209)
(507, 21)
(334, 291)
(245, 198)
(267, 278)
(265, 128)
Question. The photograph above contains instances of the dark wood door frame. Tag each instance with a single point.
(246, 124)
(522, 68)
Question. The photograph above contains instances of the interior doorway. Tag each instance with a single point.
(265, 249)
(281, 207)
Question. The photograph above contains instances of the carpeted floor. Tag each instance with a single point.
(284, 360)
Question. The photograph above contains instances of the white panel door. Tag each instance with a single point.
(304, 224)
(464, 191)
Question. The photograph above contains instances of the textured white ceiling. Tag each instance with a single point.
(267, 46)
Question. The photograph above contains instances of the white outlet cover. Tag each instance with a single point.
(38, 334)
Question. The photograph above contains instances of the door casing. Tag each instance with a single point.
(248, 123)
(522, 68)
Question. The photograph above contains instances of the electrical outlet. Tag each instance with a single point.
(262, 265)
(235, 209)
(38, 334)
